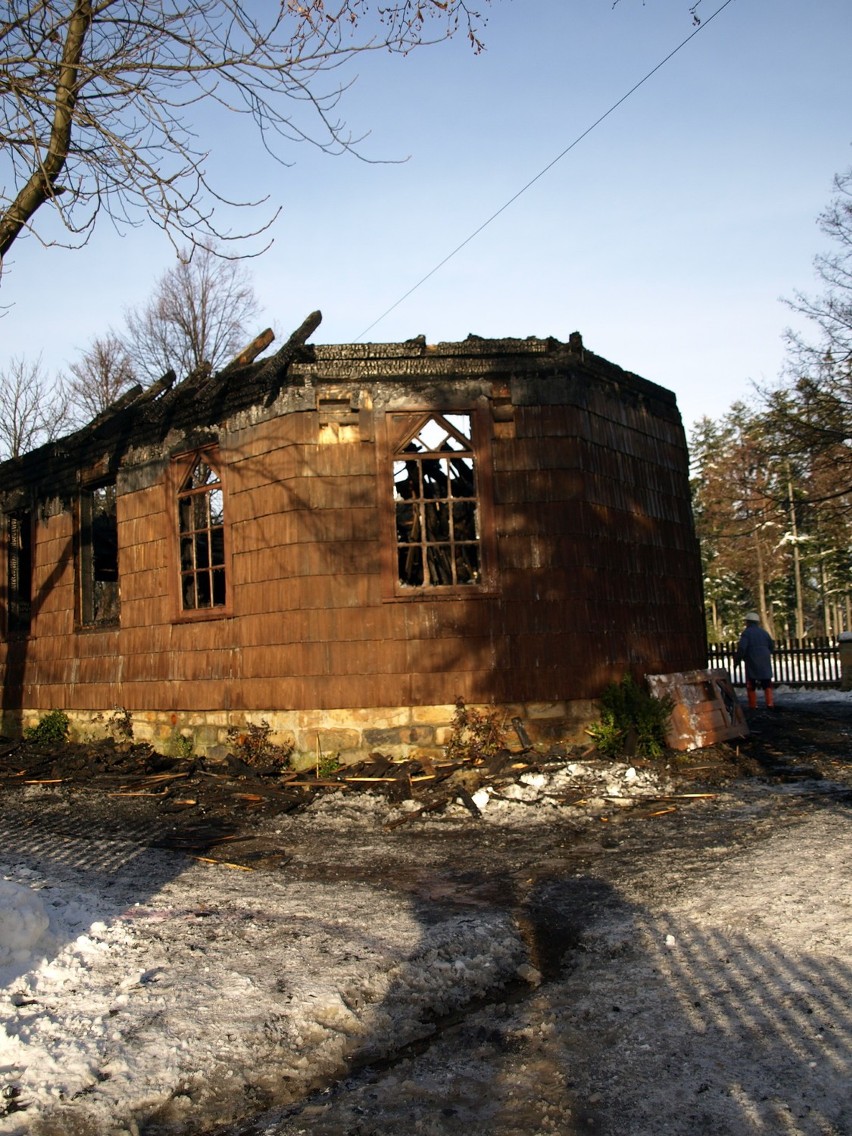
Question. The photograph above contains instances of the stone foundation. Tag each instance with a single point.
(318, 735)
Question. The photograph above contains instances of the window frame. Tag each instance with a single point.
(181, 467)
(84, 560)
(402, 422)
(12, 556)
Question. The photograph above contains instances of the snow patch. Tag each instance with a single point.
(23, 922)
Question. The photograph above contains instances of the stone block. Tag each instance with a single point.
(427, 753)
(408, 735)
(377, 716)
(300, 760)
(205, 736)
(433, 715)
(327, 742)
(546, 710)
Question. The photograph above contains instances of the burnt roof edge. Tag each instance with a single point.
(202, 400)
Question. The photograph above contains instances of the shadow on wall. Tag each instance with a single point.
(586, 591)
(18, 646)
(580, 601)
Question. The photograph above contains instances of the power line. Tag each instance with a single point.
(700, 27)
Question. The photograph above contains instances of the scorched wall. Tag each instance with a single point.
(338, 598)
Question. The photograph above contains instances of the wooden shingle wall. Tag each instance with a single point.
(599, 558)
(594, 570)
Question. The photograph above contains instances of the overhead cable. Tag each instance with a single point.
(700, 27)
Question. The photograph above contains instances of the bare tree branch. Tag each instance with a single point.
(200, 313)
(96, 98)
(101, 375)
(31, 410)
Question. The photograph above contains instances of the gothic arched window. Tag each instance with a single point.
(201, 532)
(436, 504)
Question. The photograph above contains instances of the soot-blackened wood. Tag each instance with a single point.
(276, 368)
(257, 345)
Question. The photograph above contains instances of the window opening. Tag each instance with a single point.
(201, 513)
(19, 566)
(437, 506)
(99, 591)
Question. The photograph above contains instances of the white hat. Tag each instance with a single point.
(752, 617)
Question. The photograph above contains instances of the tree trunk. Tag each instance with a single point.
(765, 613)
(41, 185)
(797, 567)
(826, 603)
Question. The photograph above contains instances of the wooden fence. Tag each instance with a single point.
(796, 662)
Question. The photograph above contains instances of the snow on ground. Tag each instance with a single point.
(799, 696)
(147, 989)
(711, 998)
(24, 922)
(716, 1002)
(165, 987)
(144, 986)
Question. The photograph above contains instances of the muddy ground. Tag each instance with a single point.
(192, 804)
(688, 954)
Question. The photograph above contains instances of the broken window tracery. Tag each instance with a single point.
(98, 556)
(201, 524)
(436, 502)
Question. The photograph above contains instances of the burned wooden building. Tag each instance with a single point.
(344, 540)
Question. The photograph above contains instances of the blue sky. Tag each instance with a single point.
(667, 236)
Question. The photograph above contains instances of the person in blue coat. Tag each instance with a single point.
(755, 650)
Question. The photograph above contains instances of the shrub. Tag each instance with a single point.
(327, 766)
(120, 724)
(183, 746)
(475, 735)
(252, 745)
(52, 729)
(632, 721)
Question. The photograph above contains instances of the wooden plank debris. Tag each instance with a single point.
(202, 789)
(223, 863)
(706, 708)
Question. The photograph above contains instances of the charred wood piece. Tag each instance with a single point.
(163, 384)
(127, 399)
(275, 371)
(251, 352)
(523, 736)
